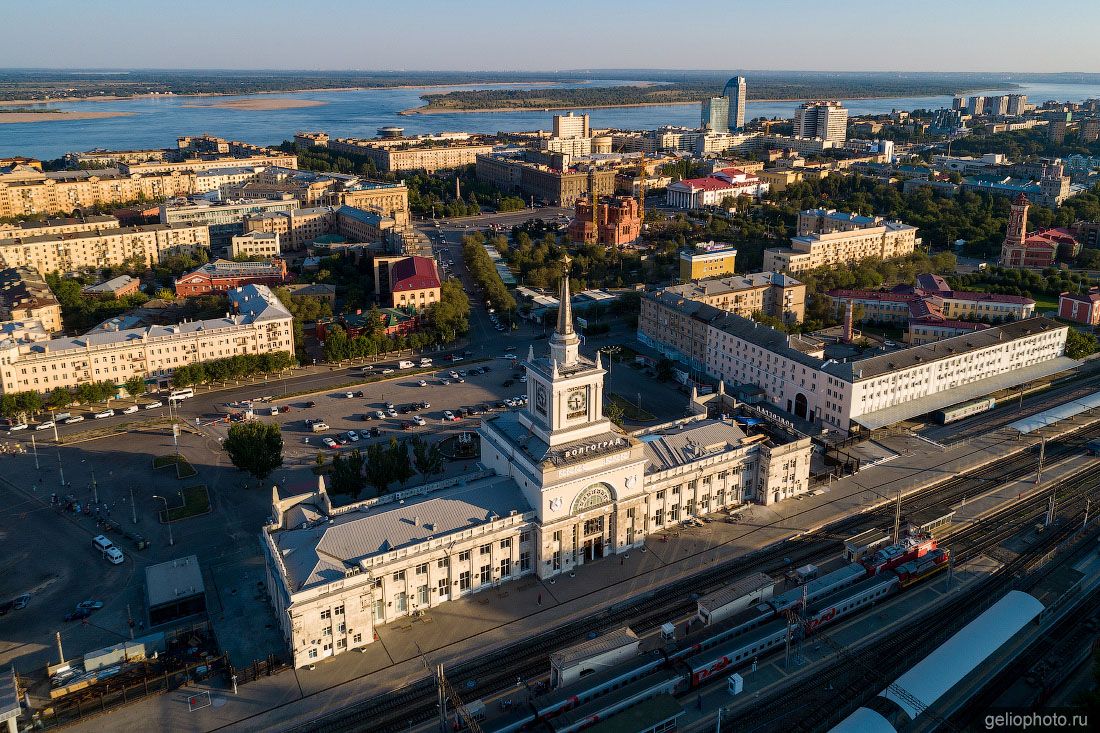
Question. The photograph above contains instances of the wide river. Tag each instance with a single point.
(157, 122)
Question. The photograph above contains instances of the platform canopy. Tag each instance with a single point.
(970, 391)
(1062, 412)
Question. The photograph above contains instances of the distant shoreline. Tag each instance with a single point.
(11, 118)
(118, 98)
(259, 105)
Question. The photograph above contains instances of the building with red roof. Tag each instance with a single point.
(407, 282)
(221, 276)
(931, 309)
(696, 193)
(1080, 307)
(1041, 248)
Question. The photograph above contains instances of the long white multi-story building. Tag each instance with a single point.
(258, 324)
(860, 394)
(563, 488)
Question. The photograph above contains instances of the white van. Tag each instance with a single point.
(404, 364)
(108, 550)
(425, 361)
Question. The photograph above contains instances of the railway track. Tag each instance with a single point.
(857, 676)
(526, 659)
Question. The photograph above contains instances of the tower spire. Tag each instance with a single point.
(564, 344)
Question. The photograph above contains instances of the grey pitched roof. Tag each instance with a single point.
(677, 447)
(321, 553)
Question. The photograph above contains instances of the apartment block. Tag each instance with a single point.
(708, 259)
(225, 219)
(222, 276)
(194, 165)
(255, 244)
(258, 324)
(388, 199)
(772, 293)
(553, 186)
(363, 225)
(25, 296)
(296, 228)
(846, 239)
(93, 250)
(25, 191)
(823, 120)
(57, 226)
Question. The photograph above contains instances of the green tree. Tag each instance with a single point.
(377, 468)
(135, 385)
(255, 447)
(400, 465)
(615, 413)
(347, 473)
(1079, 345)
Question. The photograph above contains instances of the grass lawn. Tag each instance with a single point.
(184, 469)
(1045, 303)
(196, 501)
(632, 411)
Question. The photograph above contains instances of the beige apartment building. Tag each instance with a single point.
(194, 165)
(388, 199)
(772, 293)
(710, 259)
(25, 296)
(416, 157)
(258, 324)
(555, 187)
(28, 192)
(255, 244)
(57, 226)
(296, 228)
(102, 248)
(809, 252)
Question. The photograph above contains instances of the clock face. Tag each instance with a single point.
(577, 402)
(540, 398)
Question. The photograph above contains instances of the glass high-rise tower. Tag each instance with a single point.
(736, 91)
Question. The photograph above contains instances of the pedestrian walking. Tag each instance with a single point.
(540, 599)
(621, 561)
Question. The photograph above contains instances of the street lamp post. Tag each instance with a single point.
(167, 519)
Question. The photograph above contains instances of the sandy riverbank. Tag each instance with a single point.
(261, 105)
(14, 117)
(445, 111)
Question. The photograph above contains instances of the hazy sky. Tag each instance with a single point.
(921, 35)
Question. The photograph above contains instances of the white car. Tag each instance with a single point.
(452, 375)
(74, 419)
(130, 410)
(352, 436)
(421, 383)
(510, 357)
(523, 379)
(151, 405)
(387, 371)
(329, 442)
(44, 425)
(17, 426)
(419, 420)
(391, 412)
(380, 415)
(444, 382)
(449, 416)
(105, 413)
(349, 395)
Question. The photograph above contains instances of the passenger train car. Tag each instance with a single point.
(734, 643)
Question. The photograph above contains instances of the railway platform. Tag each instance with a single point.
(407, 650)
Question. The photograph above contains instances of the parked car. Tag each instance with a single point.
(44, 425)
(421, 383)
(419, 420)
(75, 419)
(105, 413)
(380, 415)
(328, 442)
(21, 602)
(375, 432)
(78, 615)
(444, 382)
(309, 404)
(460, 380)
(352, 436)
(90, 605)
(348, 395)
(130, 410)
(359, 393)
(452, 374)
(387, 371)
(17, 426)
(391, 412)
(424, 405)
(364, 434)
(342, 440)
(151, 405)
(389, 405)
(449, 416)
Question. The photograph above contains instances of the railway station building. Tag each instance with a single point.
(562, 487)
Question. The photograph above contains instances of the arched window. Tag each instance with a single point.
(594, 496)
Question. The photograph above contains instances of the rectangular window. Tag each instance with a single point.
(357, 639)
(524, 561)
(525, 536)
(506, 543)
(486, 574)
(660, 495)
(464, 580)
(486, 549)
(312, 653)
(422, 595)
(326, 615)
(506, 567)
(401, 602)
(422, 569)
(464, 556)
(445, 562)
(557, 536)
(339, 610)
(379, 611)
(399, 576)
(593, 526)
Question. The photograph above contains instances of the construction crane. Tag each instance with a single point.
(447, 692)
